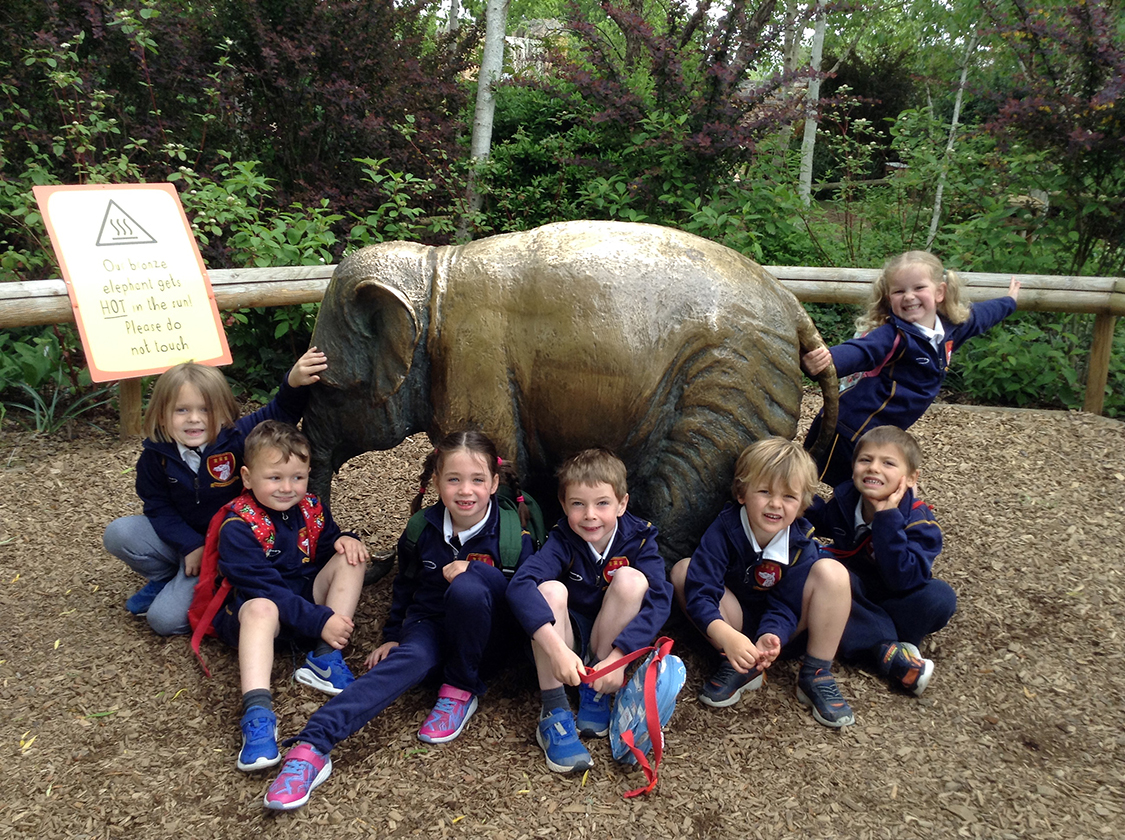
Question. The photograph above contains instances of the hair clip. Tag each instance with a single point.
(519, 498)
(422, 490)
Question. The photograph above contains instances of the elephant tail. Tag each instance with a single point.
(809, 338)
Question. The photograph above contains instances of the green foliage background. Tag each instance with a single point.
(297, 132)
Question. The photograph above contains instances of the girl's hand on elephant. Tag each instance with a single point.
(816, 361)
(352, 549)
(337, 631)
(1014, 289)
(769, 647)
(451, 570)
(308, 368)
(379, 654)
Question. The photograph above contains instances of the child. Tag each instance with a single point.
(914, 322)
(447, 617)
(594, 593)
(302, 580)
(888, 541)
(756, 575)
(188, 469)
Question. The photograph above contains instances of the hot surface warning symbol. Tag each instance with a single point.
(119, 228)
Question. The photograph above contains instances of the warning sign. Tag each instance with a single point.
(137, 284)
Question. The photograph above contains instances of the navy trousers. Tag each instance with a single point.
(476, 627)
(902, 617)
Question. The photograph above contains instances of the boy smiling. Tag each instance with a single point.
(888, 539)
(595, 592)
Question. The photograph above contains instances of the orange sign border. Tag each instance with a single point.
(43, 195)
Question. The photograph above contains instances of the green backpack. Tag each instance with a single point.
(511, 534)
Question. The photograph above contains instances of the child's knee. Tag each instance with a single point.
(554, 593)
(258, 612)
(678, 576)
(629, 584)
(828, 573)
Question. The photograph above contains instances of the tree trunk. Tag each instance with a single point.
(812, 99)
(970, 48)
(452, 25)
(491, 66)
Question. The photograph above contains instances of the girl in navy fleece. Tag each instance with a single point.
(188, 469)
(914, 322)
(446, 620)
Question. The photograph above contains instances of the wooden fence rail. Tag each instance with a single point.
(46, 302)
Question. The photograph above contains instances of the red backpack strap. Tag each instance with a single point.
(652, 718)
(312, 511)
(662, 648)
(207, 599)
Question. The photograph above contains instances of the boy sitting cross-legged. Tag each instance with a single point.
(756, 581)
(888, 539)
(594, 593)
(304, 582)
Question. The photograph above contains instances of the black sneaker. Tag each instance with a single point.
(822, 695)
(906, 668)
(726, 685)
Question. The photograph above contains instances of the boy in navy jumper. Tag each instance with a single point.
(304, 582)
(888, 539)
(594, 593)
(757, 581)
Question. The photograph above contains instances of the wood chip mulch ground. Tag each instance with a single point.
(109, 731)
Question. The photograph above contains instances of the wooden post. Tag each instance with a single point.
(129, 405)
(1097, 372)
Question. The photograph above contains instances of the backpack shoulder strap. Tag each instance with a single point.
(511, 538)
(408, 561)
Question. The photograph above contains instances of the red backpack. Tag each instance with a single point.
(212, 588)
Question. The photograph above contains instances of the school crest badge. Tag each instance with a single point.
(220, 467)
(612, 565)
(483, 558)
(767, 574)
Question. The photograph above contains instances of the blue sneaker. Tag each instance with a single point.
(329, 673)
(142, 599)
(593, 711)
(726, 685)
(822, 695)
(259, 740)
(559, 740)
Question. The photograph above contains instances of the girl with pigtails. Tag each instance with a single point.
(448, 615)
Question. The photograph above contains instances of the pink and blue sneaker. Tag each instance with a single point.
(449, 716)
(304, 769)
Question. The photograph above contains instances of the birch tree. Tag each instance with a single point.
(491, 66)
(812, 98)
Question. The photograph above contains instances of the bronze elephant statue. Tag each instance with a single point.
(671, 350)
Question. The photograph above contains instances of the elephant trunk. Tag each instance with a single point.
(810, 339)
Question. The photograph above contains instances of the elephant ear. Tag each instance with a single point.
(391, 331)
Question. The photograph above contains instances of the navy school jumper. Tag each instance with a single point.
(894, 594)
(770, 593)
(180, 503)
(283, 575)
(567, 557)
(442, 628)
(908, 384)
